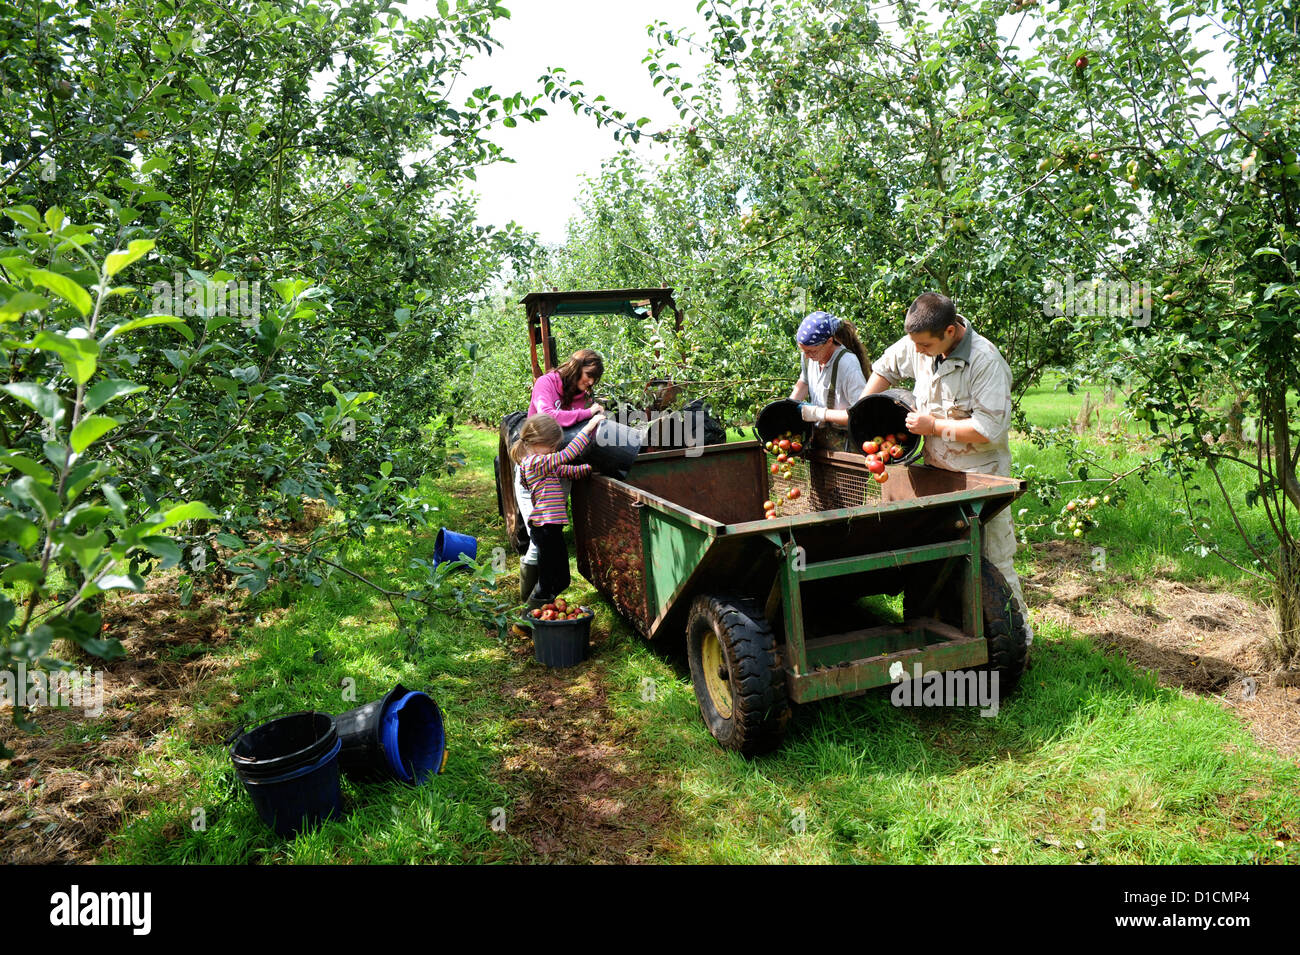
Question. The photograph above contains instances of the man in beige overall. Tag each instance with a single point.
(963, 408)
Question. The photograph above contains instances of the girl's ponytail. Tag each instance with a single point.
(847, 336)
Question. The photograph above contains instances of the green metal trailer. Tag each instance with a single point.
(772, 610)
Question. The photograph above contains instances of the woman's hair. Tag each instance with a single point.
(847, 336)
(540, 429)
(584, 359)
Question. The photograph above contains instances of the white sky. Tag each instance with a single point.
(600, 42)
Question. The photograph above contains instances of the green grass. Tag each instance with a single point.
(1087, 750)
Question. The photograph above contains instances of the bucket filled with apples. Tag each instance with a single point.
(561, 633)
(878, 425)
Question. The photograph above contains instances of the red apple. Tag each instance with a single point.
(870, 447)
(875, 467)
(882, 477)
(793, 493)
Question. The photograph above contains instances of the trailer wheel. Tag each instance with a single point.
(1004, 629)
(737, 674)
(496, 479)
(1004, 624)
(504, 471)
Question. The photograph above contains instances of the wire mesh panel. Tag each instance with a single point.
(609, 545)
(823, 485)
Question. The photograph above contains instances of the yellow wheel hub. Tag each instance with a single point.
(715, 675)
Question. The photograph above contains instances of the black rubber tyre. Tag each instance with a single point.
(507, 506)
(1004, 625)
(751, 711)
(1004, 629)
(496, 479)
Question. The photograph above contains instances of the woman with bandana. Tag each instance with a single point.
(831, 378)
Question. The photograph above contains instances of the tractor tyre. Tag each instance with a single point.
(737, 673)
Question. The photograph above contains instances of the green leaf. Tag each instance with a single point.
(37, 495)
(26, 216)
(193, 511)
(115, 502)
(21, 302)
(37, 397)
(105, 391)
(29, 573)
(23, 533)
(120, 582)
(117, 261)
(54, 218)
(86, 516)
(80, 355)
(163, 547)
(63, 287)
(145, 322)
(91, 429)
(443, 8)
(86, 551)
(200, 86)
(20, 462)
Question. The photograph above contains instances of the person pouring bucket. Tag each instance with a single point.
(830, 377)
(564, 394)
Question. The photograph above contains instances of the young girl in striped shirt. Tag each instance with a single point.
(542, 465)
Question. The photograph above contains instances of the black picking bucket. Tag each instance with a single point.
(782, 416)
(562, 643)
(399, 736)
(290, 770)
(885, 413)
(611, 449)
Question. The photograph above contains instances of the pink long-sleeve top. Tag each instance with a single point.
(548, 393)
(541, 475)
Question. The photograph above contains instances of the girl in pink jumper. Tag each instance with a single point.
(541, 466)
(564, 392)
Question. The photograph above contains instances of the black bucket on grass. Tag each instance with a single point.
(399, 736)
(885, 413)
(290, 769)
(562, 643)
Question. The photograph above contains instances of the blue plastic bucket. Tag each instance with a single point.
(290, 769)
(452, 546)
(399, 736)
(413, 738)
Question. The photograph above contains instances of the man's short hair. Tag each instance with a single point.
(931, 313)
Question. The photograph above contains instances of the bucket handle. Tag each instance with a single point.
(235, 734)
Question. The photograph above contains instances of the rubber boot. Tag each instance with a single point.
(528, 574)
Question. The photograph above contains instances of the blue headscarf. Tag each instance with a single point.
(817, 328)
